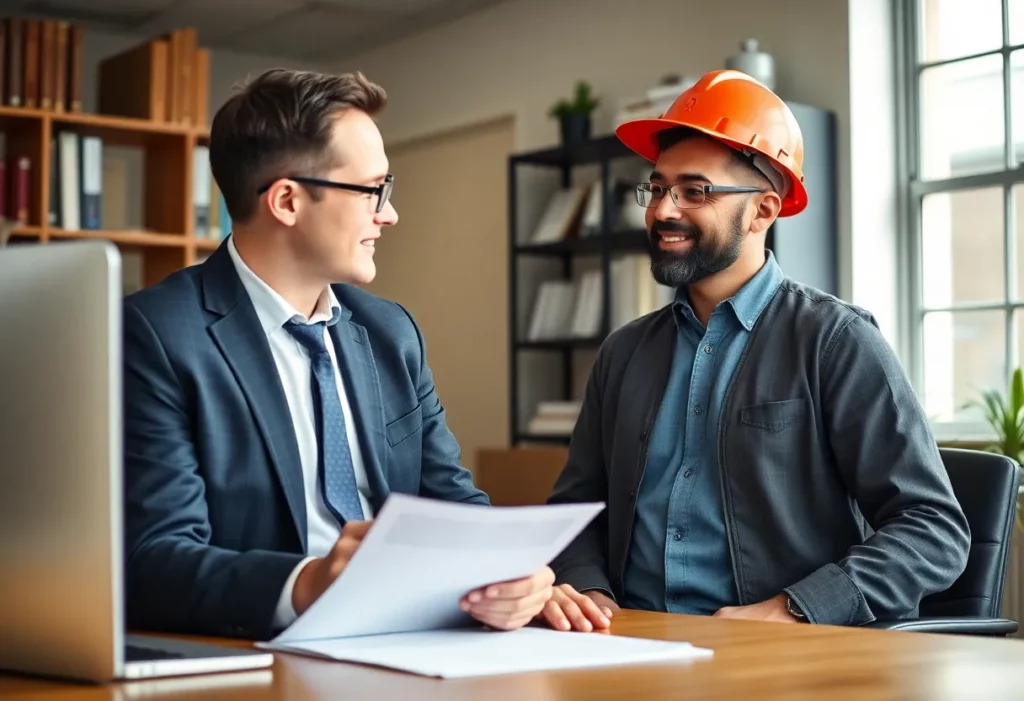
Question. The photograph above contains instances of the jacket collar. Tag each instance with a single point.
(747, 304)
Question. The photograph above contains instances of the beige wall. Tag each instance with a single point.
(446, 262)
(521, 56)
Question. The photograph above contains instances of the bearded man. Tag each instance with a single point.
(758, 444)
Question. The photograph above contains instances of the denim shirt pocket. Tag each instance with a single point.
(775, 417)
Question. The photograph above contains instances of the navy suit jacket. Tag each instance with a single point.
(215, 514)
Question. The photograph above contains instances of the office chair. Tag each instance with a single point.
(986, 486)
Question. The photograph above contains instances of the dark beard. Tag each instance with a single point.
(705, 258)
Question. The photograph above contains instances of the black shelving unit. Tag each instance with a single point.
(600, 151)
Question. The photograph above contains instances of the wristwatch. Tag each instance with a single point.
(794, 609)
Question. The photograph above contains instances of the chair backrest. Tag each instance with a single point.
(986, 486)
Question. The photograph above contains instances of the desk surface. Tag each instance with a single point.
(765, 661)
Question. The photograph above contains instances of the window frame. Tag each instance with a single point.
(913, 189)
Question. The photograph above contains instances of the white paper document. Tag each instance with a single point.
(422, 556)
(396, 604)
(477, 652)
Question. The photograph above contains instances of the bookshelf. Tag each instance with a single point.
(583, 242)
(134, 173)
(168, 240)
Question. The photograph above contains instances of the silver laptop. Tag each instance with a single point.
(61, 549)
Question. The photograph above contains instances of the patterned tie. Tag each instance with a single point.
(337, 476)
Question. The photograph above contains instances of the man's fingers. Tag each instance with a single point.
(552, 613)
(356, 529)
(515, 589)
(591, 610)
(497, 606)
(576, 617)
(603, 601)
(510, 619)
(351, 536)
(533, 602)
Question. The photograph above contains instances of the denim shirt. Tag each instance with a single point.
(679, 555)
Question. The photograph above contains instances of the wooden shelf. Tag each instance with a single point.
(27, 231)
(105, 124)
(120, 124)
(126, 238)
(208, 244)
(8, 111)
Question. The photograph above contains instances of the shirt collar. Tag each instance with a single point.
(748, 303)
(272, 309)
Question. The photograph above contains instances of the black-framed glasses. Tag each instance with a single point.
(382, 191)
(685, 195)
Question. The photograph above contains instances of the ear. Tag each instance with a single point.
(768, 207)
(283, 201)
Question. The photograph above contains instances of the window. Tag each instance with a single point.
(963, 117)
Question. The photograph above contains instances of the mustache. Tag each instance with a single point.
(671, 228)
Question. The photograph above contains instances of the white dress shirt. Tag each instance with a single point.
(293, 366)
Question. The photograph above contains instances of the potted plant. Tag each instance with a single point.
(574, 114)
(1006, 417)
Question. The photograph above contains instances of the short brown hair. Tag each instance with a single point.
(280, 124)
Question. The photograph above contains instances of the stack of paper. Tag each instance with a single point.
(474, 652)
(397, 603)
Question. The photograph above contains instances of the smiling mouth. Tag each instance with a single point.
(675, 239)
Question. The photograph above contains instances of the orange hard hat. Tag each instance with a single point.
(741, 112)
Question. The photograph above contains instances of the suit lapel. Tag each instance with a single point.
(240, 337)
(359, 372)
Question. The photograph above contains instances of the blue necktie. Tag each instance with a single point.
(337, 476)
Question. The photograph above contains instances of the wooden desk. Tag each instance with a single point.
(762, 661)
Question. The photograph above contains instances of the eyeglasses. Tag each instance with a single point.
(382, 191)
(685, 195)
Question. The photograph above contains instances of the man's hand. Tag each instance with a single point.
(570, 610)
(774, 609)
(510, 605)
(318, 574)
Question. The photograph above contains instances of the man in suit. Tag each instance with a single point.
(271, 406)
(758, 444)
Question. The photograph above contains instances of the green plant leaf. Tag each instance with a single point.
(583, 102)
(1005, 415)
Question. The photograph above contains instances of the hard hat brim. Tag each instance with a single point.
(640, 136)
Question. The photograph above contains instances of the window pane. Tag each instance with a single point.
(1017, 100)
(1016, 22)
(952, 28)
(1018, 228)
(962, 123)
(962, 247)
(964, 354)
(1019, 361)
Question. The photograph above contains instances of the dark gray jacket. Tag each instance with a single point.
(832, 483)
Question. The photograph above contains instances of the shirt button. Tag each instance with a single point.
(678, 536)
(707, 349)
(696, 410)
(688, 473)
